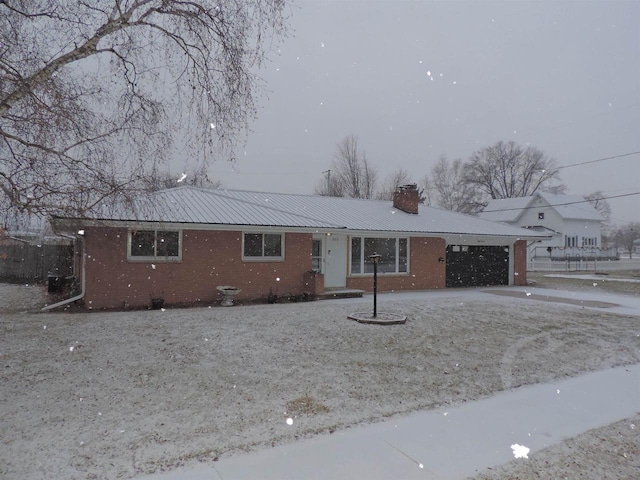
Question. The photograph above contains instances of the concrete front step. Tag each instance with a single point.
(334, 293)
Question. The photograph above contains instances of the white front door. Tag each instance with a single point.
(335, 261)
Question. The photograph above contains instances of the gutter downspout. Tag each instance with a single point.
(82, 292)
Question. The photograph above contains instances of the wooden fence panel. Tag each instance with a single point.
(22, 262)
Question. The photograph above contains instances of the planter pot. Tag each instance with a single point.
(228, 292)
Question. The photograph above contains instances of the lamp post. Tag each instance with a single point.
(375, 258)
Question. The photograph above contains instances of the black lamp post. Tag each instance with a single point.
(375, 258)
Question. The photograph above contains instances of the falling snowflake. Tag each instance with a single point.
(289, 421)
(520, 451)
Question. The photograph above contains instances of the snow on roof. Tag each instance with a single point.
(570, 207)
(505, 209)
(194, 205)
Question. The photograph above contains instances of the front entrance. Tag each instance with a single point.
(477, 265)
(330, 257)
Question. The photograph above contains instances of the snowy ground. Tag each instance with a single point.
(113, 395)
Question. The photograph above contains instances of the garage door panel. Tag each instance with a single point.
(477, 265)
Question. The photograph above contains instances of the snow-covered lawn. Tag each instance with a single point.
(112, 395)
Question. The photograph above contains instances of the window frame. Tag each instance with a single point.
(362, 239)
(263, 257)
(155, 257)
(317, 259)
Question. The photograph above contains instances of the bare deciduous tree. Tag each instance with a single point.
(450, 189)
(597, 200)
(626, 235)
(91, 92)
(351, 174)
(507, 170)
(392, 182)
(160, 180)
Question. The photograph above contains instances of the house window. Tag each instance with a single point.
(571, 241)
(394, 254)
(316, 255)
(157, 245)
(262, 246)
(540, 215)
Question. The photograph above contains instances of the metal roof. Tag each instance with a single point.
(569, 207)
(505, 209)
(193, 205)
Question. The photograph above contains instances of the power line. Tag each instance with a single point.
(598, 160)
(563, 204)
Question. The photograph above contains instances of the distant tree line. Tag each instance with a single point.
(503, 170)
(623, 237)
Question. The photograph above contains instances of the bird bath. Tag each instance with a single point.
(228, 292)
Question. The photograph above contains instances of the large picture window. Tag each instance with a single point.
(393, 251)
(263, 246)
(155, 245)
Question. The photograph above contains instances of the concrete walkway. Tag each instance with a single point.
(450, 443)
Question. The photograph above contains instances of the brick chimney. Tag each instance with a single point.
(406, 198)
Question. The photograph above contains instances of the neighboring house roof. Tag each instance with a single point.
(192, 205)
(506, 210)
(569, 207)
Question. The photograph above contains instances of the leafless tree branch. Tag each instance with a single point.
(91, 92)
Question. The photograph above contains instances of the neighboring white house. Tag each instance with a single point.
(572, 221)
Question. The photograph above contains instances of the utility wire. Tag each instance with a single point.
(563, 204)
(598, 160)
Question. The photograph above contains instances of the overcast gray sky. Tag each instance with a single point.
(417, 79)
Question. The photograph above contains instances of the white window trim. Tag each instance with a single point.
(279, 258)
(153, 258)
(363, 261)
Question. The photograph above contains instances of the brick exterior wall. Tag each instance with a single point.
(426, 271)
(520, 263)
(209, 259)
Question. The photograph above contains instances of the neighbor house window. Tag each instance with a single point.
(263, 246)
(540, 215)
(393, 251)
(571, 241)
(155, 245)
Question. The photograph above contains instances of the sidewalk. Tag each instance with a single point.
(448, 443)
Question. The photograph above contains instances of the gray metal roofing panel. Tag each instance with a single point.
(237, 207)
(374, 215)
(572, 207)
(505, 209)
